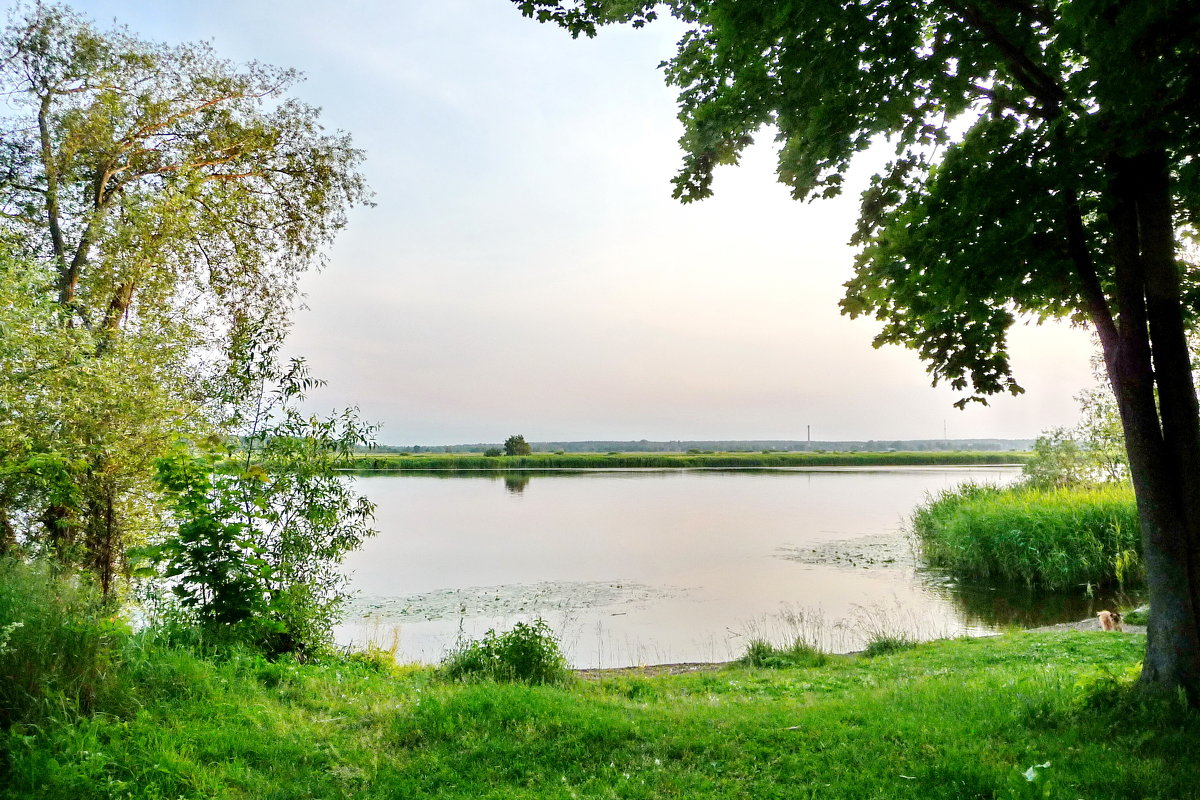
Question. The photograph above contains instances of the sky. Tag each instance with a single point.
(525, 270)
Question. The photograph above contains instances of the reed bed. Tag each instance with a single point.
(1052, 538)
(473, 463)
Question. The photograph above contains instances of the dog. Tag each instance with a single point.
(1110, 621)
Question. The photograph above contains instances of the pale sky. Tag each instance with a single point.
(525, 269)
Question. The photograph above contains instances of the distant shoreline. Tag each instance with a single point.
(748, 446)
(557, 461)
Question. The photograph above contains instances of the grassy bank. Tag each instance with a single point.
(97, 711)
(968, 718)
(465, 463)
(1056, 538)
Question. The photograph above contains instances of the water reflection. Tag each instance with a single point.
(515, 483)
(1005, 605)
(707, 551)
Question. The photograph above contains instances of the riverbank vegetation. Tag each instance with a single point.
(117, 714)
(469, 463)
(1056, 538)
(1071, 522)
(163, 204)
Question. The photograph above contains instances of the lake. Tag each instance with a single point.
(649, 566)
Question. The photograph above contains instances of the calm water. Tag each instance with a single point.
(639, 567)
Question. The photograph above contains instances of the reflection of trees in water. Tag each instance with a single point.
(516, 483)
(1016, 604)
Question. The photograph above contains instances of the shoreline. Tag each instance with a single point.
(1088, 625)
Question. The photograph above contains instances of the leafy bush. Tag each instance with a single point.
(528, 653)
(264, 525)
(516, 445)
(762, 653)
(493, 452)
(59, 645)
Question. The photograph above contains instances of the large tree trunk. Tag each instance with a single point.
(1150, 371)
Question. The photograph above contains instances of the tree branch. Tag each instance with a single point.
(1029, 74)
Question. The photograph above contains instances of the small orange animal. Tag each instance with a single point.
(1110, 621)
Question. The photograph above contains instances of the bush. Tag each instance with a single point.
(762, 653)
(528, 653)
(59, 645)
(493, 452)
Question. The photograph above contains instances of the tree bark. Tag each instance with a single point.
(1150, 371)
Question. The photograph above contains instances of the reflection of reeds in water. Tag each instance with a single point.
(1006, 605)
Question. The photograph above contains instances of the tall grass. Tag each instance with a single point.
(1054, 538)
(59, 646)
(467, 463)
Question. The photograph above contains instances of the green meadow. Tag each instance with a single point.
(90, 709)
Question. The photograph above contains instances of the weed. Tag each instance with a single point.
(883, 645)
(528, 653)
(58, 645)
(1137, 617)
(761, 653)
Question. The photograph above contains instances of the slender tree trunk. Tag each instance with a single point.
(1150, 371)
(103, 545)
(8, 534)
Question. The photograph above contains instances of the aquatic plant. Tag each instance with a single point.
(1054, 538)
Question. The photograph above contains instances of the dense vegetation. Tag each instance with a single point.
(1057, 538)
(676, 460)
(160, 204)
(100, 712)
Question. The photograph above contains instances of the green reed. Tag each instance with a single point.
(1054, 538)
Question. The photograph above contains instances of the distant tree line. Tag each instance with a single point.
(728, 446)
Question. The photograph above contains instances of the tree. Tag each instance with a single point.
(265, 518)
(1047, 163)
(169, 196)
(79, 430)
(517, 446)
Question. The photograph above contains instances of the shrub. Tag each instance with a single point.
(528, 653)
(762, 653)
(493, 452)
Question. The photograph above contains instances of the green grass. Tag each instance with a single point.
(955, 719)
(967, 718)
(1055, 538)
(468, 463)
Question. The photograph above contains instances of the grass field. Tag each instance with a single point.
(468, 463)
(1018, 716)
(92, 710)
